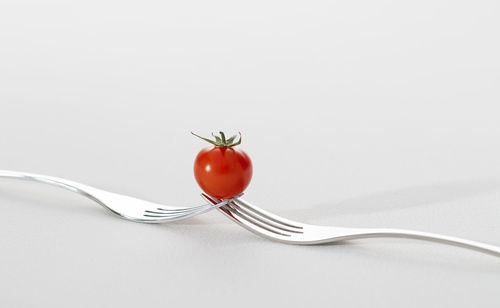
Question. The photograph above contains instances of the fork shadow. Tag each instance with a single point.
(399, 199)
(407, 197)
(383, 201)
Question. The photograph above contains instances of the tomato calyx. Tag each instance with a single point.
(222, 141)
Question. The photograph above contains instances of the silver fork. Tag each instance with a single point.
(126, 207)
(248, 216)
(276, 228)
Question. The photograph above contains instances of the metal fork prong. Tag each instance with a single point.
(160, 219)
(182, 215)
(152, 214)
(167, 217)
(260, 216)
(243, 217)
(126, 207)
(175, 211)
(172, 213)
(249, 223)
(263, 220)
(264, 214)
(181, 209)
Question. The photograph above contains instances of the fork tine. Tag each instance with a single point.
(263, 217)
(208, 207)
(252, 224)
(163, 213)
(263, 220)
(185, 213)
(180, 209)
(251, 220)
(149, 213)
(176, 211)
(264, 214)
(174, 216)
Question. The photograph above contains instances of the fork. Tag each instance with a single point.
(252, 218)
(276, 228)
(126, 207)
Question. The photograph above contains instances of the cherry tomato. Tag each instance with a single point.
(223, 171)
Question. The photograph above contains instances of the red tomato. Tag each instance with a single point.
(222, 172)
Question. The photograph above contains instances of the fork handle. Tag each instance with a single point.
(82, 189)
(411, 234)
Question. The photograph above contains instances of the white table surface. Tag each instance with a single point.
(372, 114)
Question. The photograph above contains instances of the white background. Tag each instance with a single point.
(355, 113)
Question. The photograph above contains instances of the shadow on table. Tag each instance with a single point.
(399, 199)
(378, 202)
(383, 201)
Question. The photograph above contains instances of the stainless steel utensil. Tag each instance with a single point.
(283, 230)
(126, 207)
(250, 217)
